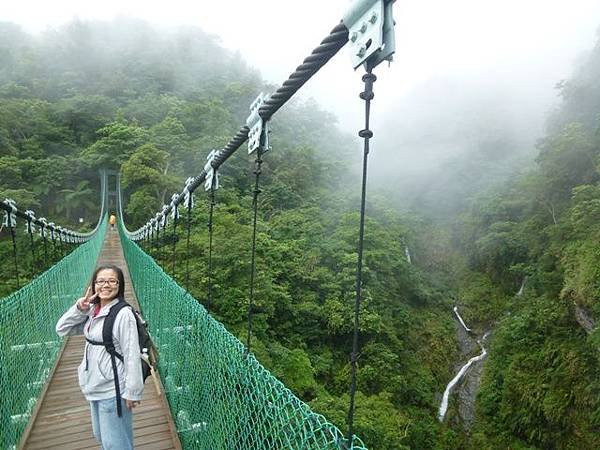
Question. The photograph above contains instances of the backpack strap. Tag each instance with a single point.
(109, 345)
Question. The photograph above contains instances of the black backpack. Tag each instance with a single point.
(148, 355)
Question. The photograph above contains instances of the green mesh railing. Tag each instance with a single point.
(29, 344)
(220, 399)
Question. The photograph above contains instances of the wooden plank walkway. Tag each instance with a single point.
(62, 420)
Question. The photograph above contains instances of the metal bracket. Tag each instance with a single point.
(258, 134)
(371, 32)
(210, 170)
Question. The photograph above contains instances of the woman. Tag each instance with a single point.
(96, 376)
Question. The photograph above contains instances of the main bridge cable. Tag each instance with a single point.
(337, 38)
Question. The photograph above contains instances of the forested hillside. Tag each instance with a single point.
(152, 103)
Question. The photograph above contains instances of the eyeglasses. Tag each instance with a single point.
(111, 282)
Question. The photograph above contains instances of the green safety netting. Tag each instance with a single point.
(219, 397)
(29, 344)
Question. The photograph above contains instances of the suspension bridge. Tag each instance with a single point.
(210, 392)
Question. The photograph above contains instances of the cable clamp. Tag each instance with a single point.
(44, 224)
(29, 226)
(175, 207)
(10, 217)
(188, 200)
(211, 173)
(258, 133)
(371, 36)
(51, 226)
(164, 217)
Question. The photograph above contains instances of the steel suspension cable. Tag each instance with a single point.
(158, 243)
(45, 247)
(187, 247)
(14, 242)
(367, 95)
(62, 245)
(31, 247)
(210, 240)
(257, 171)
(174, 245)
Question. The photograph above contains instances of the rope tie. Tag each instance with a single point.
(368, 78)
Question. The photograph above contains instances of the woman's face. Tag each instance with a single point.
(107, 284)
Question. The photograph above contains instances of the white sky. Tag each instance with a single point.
(475, 39)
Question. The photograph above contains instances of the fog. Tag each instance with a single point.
(470, 80)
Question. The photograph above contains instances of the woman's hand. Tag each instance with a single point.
(84, 303)
(131, 404)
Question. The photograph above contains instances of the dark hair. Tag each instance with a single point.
(120, 277)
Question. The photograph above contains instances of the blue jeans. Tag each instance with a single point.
(113, 432)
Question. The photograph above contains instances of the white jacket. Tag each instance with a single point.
(96, 377)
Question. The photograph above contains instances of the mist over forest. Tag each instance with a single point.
(480, 198)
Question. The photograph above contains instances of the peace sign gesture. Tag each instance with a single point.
(84, 303)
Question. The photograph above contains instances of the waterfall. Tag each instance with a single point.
(522, 286)
(459, 375)
(467, 329)
(407, 253)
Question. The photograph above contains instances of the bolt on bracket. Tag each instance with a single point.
(371, 32)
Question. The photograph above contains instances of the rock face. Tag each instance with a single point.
(466, 345)
(584, 318)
